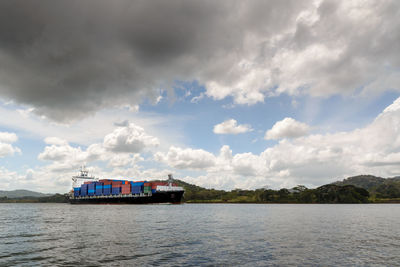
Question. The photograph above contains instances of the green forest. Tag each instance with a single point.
(357, 189)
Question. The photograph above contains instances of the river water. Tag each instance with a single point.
(199, 235)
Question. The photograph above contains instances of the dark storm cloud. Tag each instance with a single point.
(68, 59)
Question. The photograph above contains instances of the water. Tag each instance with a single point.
(199, 235)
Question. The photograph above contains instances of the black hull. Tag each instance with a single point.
(174, 197)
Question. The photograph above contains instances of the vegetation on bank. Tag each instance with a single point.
(56, 198)
(357, 189)
(299, 194)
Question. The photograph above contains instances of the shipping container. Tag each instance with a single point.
(84, 190)
(107, 191)
(99, 190)
(77, 191)
(91, 192)
(125, 189)
(116, 184)
(116, 190)
(155, 184)
(146, 189)
(137, 189)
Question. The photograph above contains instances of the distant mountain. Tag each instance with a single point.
(368, 182)
(364, 181)
(21, 193)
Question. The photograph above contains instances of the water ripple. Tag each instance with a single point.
(199, 235)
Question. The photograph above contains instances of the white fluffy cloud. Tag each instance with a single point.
(119, 149)
(187, 158)
(55, 141)
(129, 139)
(6, 137)
(311, 160)
(6, 147)
(287, 128)
(231, 127)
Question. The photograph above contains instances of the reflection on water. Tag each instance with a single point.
(199, 234)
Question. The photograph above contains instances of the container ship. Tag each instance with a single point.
(107, 191)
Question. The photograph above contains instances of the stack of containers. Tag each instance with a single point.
(77, 191)
(84, 190)
(106, 187)
(116, 187)
(91, 188)
(146, 188)
(136, 187)
(99, 188)
(126, 188)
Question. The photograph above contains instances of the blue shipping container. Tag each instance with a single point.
(91, 192)
(99, 190)
(106, 191)
(116, 190)
(77, 191)
(137, 189)
(91, 186)
(153, 190)
(84, 190)
(107, 186)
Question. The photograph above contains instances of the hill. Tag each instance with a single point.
(21, 193)
(377, 186)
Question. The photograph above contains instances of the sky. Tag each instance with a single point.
(222, 94)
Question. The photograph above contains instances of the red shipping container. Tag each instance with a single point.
(155, 184)
(116, 184)
(125, 189)
(88, 182)
(147, 184)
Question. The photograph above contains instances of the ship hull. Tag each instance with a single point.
(174, 197)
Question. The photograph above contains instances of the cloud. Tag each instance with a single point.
(6, 147)
(70, 59)
(231, 127)
(120, 148)
(129, 139)
(8, 137)
(186, 158)
(55, 141)
(311, 160)
(287, 128)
